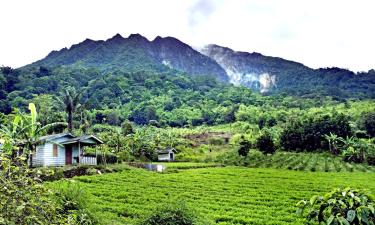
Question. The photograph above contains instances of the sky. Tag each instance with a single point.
(317, 33)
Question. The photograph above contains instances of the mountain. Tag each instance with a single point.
(274, 74)
(135, 53)
(258, 72)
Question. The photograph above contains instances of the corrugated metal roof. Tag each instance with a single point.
(167, 150)
(82, 138)
(54, 136)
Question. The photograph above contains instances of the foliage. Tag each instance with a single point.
(300, 135)
(334, 142)
(70, 101)
(22, 133)
(71, 196)
(369, 122)
(107, 158)
(265, 143)
(23, 200)
(172, 214)
(340, 206)
(356, 150)
(244, 148)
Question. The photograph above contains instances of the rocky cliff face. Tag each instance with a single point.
(252, 70)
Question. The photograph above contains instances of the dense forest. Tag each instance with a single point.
(170, 99)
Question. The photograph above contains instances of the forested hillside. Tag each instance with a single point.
(168, 98)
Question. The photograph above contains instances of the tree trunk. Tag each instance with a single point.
(70, 121)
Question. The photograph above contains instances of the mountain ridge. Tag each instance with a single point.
(266, 74)
(126, 54)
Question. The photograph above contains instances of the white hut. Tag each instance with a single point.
(64, 149)
(166, 155)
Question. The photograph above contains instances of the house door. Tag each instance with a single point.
(171, 157)
(68, 155)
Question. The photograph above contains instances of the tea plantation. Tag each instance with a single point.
(228, 195)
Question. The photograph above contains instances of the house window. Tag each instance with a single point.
(55, 150)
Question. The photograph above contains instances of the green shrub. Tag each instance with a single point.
(107, 158)
(172, 214)
(244, 148)
(23, 200)
(309, 134)
(347, 206)
(357, 150)
(80, 170)
(369, 123)
(371, 160)
(100, 128)
(265, 143)
(216, 141)
(50, 174)
(73, 201)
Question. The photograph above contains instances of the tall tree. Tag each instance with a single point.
(70, 100)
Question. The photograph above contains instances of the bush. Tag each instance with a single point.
(23, 200)
(216, 141)
(357, 150)
(347, 206)
(253, 157)
(371, 160)
(50, 174)
(73, 201)
(244, 148)
(309, 134)
(173, 214)
(265, 143)
(80, 170)
(100, 128)
(370, 124)
(107, 158)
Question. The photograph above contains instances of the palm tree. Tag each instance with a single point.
(70, 100)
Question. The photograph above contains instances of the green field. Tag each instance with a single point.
(229, 195)
(322, 162)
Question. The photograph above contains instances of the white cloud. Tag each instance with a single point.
(317, 33)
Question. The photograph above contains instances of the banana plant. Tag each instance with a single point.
(335, 143)
(24, 131)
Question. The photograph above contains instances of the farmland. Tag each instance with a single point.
(229, 195)
(321, 162)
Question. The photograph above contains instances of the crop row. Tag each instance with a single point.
(307, 162)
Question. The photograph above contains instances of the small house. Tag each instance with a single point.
(166, 155)
(63, 149)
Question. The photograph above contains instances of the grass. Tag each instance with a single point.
(229, 195)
